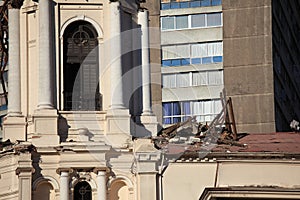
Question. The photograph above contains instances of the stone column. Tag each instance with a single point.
(14, 127)
(148, 120)
(101, 185)
(64, 185)
(45, 100)
(24, 170)
(14, 88)
(146, 73)
(117, 101)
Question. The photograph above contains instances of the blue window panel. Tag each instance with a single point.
(167, 120)
(167, 109)
(217, 59)
(165, 6)
(166, 63)
(206, 60)
(176, 120)
(184, 4)
(176, 62)
(174, 5)
(216, 2)
(194, 4)
(185, 62)
(196, 60)
(205, 3)
(186, 110)
(176, 108)
(3, 107)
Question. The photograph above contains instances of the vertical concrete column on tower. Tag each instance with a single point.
(14, 127)
(64, 185)
(14, 88)
(117, 118)
(146, 72)
(45, 116)
(148, 120)
(45, 100)
(101, 184)
(117, 101)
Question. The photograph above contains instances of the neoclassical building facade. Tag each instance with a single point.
(79, 91)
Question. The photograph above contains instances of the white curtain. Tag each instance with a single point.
(168, 80)
(215, 78)
(199, 50)
(182, 80)
(176, 51)
(218, 106)
(199, 78)
(215, 49)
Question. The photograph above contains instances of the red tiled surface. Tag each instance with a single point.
(288, 142)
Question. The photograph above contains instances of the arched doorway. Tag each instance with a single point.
(82, 191)
(81, 67)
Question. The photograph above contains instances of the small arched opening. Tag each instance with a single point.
(119, 191)
(44, 191)
(82, 191)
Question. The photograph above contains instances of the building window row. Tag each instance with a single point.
(191, 21)
(187, 54)
(205, 111)
(177, 4)
(188, 79)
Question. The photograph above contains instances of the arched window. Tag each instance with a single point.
(82, 191)
(81, 67)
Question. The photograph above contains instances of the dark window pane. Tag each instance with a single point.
(198, 20)
(216, 2)
(217, 59)
(194, 4)
(206, 60)
(174, 5)
(196, 60)
(214, 19)
(166, 63)
(205, 3)
(165, 6)
(167, 23)
(181, 22)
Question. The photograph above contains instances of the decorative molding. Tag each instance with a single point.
(20, 170)
(122, 178)
(47, 179)
(84, 18)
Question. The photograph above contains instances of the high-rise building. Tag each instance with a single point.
(248, 47)
(192, 59)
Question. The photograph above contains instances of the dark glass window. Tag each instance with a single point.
(81, 69)
(82, 191)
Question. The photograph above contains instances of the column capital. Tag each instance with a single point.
(16, 4)
(68, 170)
(101, 170)
(19, 170)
